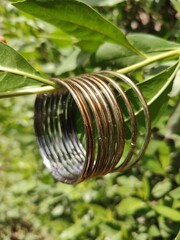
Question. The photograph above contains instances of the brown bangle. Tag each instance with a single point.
(112, 142)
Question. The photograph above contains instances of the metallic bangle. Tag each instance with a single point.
(101, 103)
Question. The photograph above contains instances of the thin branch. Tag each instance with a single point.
(173, 53)
(28, 91)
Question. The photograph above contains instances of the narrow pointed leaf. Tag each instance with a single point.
(131, 205)
(110, 53)
(167, 212)
(142, 42)
(176, 5)
(15, 71)
(155, 91)
(77, 19)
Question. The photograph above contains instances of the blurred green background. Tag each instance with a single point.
(140, 204)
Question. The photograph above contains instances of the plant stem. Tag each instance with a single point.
(150, 60)
(28, 91)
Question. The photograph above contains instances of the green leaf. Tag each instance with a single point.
(130, 206)
(150, 43)
(23, 187)
(74, 60)
(76, 19)
(110, 53)
(61, 38)
(178, 236)
(10, 64)
(154, 231)
(78, 229)
(176, 86)
(15, 71)
(161, 188)
(146, 187)
(70, 63)
(164, 155)
(175, 193)
(176, 203)
(154, 166)
(167, 212)
(86, 47)
(176, 4)
(155, 91)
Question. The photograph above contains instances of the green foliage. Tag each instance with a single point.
(142, 203)
(77, 19)
(176, 5)
(156, 91)
(15, 72)
(109, 54)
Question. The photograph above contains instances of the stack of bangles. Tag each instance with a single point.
(114, 140)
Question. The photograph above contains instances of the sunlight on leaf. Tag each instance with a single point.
(15, 71)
